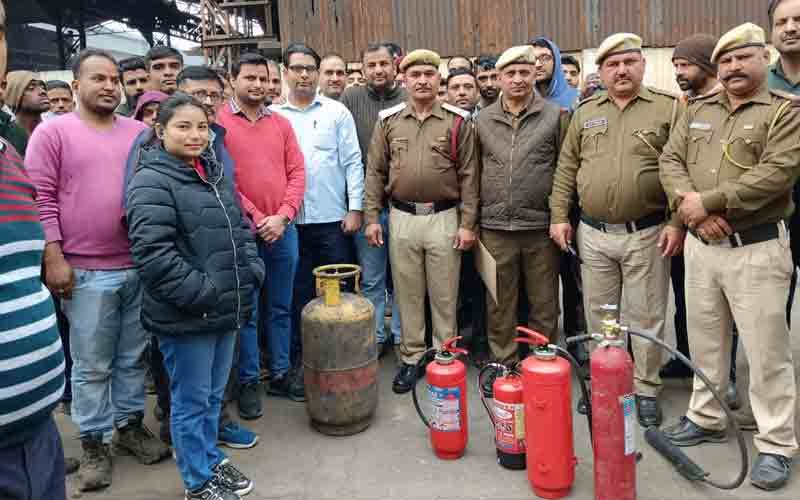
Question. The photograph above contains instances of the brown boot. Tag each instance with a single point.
(95, 467)
(137, 440)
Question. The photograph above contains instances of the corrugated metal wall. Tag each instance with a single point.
(478, 26)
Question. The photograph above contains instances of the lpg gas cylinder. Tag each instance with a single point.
(340, 354)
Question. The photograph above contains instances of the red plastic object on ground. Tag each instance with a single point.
(547, 386)
(614, 424)
(446, 377)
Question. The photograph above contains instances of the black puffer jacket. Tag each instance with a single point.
(195, 253)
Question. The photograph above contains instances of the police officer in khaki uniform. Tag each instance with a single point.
(728, 169)
(610, 159)
(423, 163)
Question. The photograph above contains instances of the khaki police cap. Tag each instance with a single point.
(521, 54)
(618, 43)
(420, 57)
(746, 35)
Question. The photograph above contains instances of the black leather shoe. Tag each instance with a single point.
(649, 411)
(250, 401)
(405, 379)
(687, 433)
(770, 472)
(583, 407)
(732, 397)
(675, 369)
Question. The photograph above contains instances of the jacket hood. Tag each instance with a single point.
(147, 98)
(16, 83)
(559, 91)
(154, 156)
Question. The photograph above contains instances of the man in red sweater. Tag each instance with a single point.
(270, 175)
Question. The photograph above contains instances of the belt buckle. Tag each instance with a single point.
(615, 228)
(423, 208)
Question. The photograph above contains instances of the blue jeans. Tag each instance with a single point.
(107, 343)
(275, 300)
(373, 262)
(34, 469)
(198, 368)
(319, 245)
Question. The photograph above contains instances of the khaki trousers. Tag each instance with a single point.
(748, 285)
(533, 256)
(629, 271)
(423, 259)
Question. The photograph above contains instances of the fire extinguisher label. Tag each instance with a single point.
(446, 408)
(628, 403)
(509, 426)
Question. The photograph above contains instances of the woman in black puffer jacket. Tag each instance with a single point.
(197, 259)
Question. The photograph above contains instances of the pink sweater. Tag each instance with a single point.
(78, 172)
(270, 171)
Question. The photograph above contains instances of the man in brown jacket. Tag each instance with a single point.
(423, 163)
(520, 138)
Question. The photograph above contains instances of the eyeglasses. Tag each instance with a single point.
(299, 69)
(544, 58)
(202, 96)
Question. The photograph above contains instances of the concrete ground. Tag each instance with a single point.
(392, 459)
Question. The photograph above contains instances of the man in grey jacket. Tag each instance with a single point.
(520, 139)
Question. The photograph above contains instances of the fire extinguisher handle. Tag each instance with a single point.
(449, 345)
(530, 337)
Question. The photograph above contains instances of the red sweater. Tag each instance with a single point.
(270, 170)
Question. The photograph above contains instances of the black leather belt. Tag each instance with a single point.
(756, 234)
(423, 208)
(628, 227)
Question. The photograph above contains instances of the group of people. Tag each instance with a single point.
(164, 221)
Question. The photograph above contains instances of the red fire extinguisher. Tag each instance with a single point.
(547, 387)
(507, 415)
(446, 378)
(614, 417)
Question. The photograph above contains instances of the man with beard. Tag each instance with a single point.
(784, 75)
(488, 77)
(423, 163)
(163, 65)
(550, 80)
(26, 95)
(88, 264)
(728, 170)
(135, 81)
(365, 103)
(623, 237)
(334, 192)
(332, 76)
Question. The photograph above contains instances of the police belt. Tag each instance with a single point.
(628, 227)
(756, 234)
(423, 208)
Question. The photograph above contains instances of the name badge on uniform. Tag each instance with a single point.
(597, 122)
(749, 127)
(700, 126)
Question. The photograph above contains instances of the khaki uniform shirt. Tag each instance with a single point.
(743, 162)
(409, 160)
(610, 157)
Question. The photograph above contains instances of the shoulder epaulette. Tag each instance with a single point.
(386, 113)
(454, 109)
(784, 95)
(666, 93)
(713, 93)
(591, 98)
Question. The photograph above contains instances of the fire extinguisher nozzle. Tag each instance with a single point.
(683, 464)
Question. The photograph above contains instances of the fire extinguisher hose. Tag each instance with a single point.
(417, 369)
(479, 384)
(656, 438)
(581, 383)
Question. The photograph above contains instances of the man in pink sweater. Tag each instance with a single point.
(270, 175)
(77, 164)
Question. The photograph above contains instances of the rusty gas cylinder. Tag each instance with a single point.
(340, 354)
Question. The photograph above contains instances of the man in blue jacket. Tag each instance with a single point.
(551, 83)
